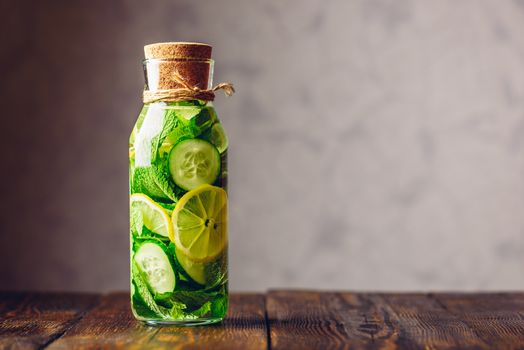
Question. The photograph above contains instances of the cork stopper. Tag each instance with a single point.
(172, 50)
(192, 61)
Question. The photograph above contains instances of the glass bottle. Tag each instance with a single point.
(178, 192)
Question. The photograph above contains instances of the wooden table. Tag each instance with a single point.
(277, 320)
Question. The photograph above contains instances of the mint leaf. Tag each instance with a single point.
(187, 112)
(203, 310)
(181, 310)
(169, 123)
(194, 299)
(168, 207)
(136, 222)
(180, 132)
(177, 312)
(219, 306)
(152, 182)
(148, 235)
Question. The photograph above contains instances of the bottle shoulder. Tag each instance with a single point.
(163, 123)
(197, 115)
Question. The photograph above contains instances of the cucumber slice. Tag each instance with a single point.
(193, 163)
(144, 305)
(154, 263)
(218, 137)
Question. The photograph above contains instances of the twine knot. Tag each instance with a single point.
(187, 92)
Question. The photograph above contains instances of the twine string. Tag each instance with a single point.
(187, 92)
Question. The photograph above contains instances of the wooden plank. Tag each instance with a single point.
(497, 318)
(111, 325)
(41, 317)
(424, 324)
(328, 320)
(243, 328)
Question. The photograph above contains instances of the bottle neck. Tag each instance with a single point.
(165, 74)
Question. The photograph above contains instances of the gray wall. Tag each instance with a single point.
(374, 144)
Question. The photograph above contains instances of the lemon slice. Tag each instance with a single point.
(152, 215)
(200, 223)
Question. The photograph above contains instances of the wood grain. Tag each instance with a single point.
(497, 318)
(328, 320)
(425, 324)
(39, 318)
(278, 320)
(109, 325)
(244, 328)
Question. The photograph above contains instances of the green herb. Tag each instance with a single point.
(219, 305)
(152, 182)
(203, 310)
(145, 294)
(136, 223)
(168, 206)
(148, 235)
(193, 299)
(170, 122)
(185, 305)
